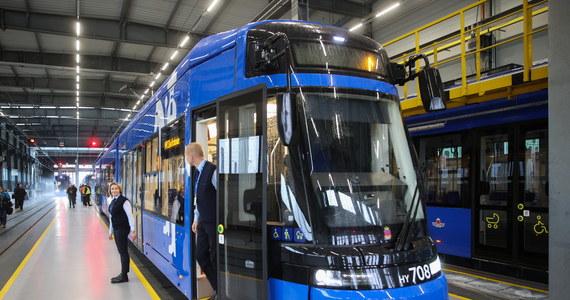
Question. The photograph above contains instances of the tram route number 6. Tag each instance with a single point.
(420, 273)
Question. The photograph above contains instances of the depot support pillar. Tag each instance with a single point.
(559, 147)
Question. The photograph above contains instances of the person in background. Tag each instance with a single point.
(5, 204)
(19, 196)
(71, 194)
(204, 223)
(87, 194)
(82, 191)
(122, 224)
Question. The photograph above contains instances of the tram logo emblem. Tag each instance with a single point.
(387, 233)
(438, 223)
(493, 222)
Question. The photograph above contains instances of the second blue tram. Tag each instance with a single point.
(318, 195)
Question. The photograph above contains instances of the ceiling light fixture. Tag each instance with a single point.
(184, 41)
(212, 5)
(173, 56)
(383, 12)
(356, 27)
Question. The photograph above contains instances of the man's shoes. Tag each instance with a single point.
(120, 278)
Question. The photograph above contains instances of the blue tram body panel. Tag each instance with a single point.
(167, 245)
(450, 228)
(285, 290)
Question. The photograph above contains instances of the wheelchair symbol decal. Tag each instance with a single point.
(493, 222)
(539, 227)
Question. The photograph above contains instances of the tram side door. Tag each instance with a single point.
(512, 207)
(242, 238)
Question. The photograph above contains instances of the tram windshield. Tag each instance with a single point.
(360, 172)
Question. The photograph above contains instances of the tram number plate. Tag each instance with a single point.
(416, 274)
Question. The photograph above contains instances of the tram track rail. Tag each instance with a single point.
(22, 223)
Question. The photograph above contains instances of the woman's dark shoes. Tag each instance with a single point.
(120, 278)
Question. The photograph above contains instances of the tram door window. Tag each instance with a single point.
(532, 203)
(495, 184)
(136, 194)
(242, 264)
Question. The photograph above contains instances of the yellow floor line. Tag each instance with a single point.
(136, 270)
(457, 296)
(490, 279)
(16, 273)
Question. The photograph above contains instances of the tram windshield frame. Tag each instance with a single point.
(349, 178)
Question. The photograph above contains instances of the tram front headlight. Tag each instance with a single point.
(435, 266)
(328, 278)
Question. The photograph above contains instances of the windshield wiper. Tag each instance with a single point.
(406, 233)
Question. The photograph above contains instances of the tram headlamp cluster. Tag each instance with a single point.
(347, 278)
(435, 266)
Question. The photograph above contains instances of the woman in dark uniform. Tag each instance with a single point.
(122, 225)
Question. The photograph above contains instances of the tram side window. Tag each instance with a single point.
(151, 193)
(172, 173)
(446, 169)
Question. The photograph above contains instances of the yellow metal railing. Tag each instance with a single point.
(432, 49)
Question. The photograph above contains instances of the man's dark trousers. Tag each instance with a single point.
(206, 251)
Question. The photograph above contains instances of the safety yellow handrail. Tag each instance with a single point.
(523, 15)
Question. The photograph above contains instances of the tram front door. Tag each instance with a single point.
(242, 238)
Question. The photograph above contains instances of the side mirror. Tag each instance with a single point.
(286, 117)
(431, 89)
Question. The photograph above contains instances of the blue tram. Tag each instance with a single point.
(318, 195)
(61, 182)
(486, 182)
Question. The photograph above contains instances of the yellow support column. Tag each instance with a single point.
(527, 40)
(463, 61)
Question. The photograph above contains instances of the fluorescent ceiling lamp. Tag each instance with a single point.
(164, 66)
(152, 84)
(77, 93)
(77, 45)
(77, 85)
(77, 78)
(77, 58)
(77, 70)
(173, 56)
(78, 28)
(356, 27)
(134, 107)
(138, 102)
(383, 12)
(157, 76)
(145, 92)
(184, 41)
(212, 5)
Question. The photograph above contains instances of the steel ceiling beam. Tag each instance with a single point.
(93, 28)
(38, 100)
(89, 63)
(63, 85)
